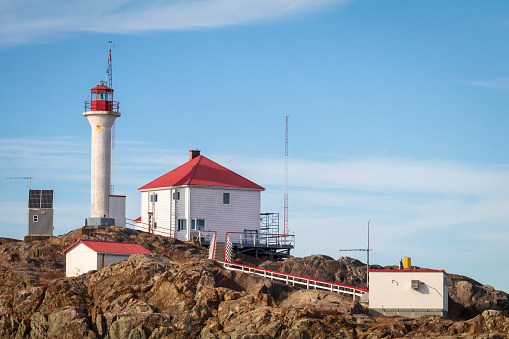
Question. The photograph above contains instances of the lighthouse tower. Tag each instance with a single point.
(101, 112)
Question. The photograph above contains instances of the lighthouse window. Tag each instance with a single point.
(101, 96)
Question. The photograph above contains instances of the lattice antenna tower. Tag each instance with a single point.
(109, 74)
(286, 230)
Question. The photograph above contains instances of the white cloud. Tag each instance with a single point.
(430, 209)
(499, 83)
(25, 20)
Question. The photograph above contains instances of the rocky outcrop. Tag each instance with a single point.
(468, 298)
(345, 270)
(177, 293)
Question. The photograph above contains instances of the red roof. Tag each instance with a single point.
(405, 270)
(137, 219)
(111, 247)
(201, 171)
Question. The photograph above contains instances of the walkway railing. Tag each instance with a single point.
(203, 236)
(309, 283)
(158, 230)
(261, 239)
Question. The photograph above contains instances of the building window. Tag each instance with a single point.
(176, 196)
(153, 198)
(226, 198)
(36, 218)
(198, 224)
(182, 225)
(155, 225)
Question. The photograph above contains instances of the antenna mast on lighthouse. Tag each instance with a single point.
(286, 230)
(109, 74)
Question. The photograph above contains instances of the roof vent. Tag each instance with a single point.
(193, 154)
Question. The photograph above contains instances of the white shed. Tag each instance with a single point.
(200, 195)
(408, 292)
(87, 255)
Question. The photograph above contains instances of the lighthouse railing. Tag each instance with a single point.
(99, 105)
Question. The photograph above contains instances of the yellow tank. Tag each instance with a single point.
(407, 262)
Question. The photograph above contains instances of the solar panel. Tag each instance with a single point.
(40, 199)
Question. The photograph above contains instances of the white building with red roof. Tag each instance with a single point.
(200, 195)
(87, 255)
(408, 292)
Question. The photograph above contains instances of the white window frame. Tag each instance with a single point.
(176, 195)
(194, 222)
(181, 224)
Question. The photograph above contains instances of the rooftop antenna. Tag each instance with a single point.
(29, 178)
(367, 250)
(286, 230)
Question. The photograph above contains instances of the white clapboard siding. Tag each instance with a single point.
(243, 212)
(180, 213)
(200, 202)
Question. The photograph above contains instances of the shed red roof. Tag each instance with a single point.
(201, 171)
(424, 270)
(110, 247)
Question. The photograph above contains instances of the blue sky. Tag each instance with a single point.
(398, 113)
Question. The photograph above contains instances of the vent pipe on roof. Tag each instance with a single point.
(193, 154)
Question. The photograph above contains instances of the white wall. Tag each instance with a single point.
(109, 258)
(392, 290)
(80, 259)
(206, 203)
(242, 213)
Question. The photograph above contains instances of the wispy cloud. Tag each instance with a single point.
(25, 20)
(431, 209)
(498, 83)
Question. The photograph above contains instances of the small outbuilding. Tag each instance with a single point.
(408, 292)
(88, 255)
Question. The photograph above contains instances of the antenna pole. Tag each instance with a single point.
(109, 74)
(367, 261)
(286, 230)
(367, 251)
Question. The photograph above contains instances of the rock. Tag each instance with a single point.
(70, 323)
(322, 300)
(177, 293)
(468, 298)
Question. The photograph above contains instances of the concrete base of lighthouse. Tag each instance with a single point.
(99, 222)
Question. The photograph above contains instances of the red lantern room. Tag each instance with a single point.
(101, 99)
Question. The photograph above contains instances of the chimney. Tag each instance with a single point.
(193, 154)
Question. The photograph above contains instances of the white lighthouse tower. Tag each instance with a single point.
(101, 112)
